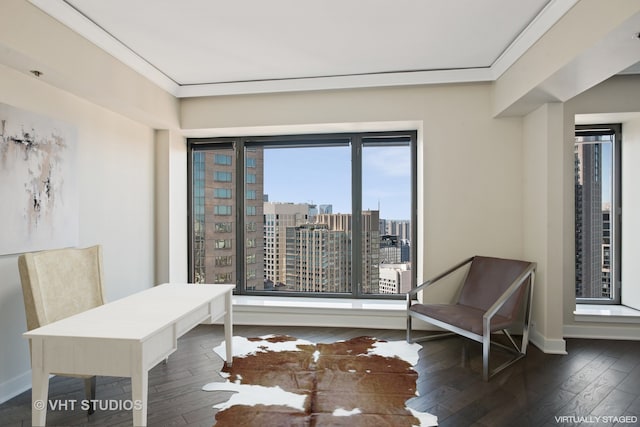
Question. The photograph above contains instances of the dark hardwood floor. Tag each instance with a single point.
(597, 378)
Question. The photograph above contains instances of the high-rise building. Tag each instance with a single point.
(214, 207)
(318, 254)
(606, 251)
(390, 250)
(405, 250)
(317, 259)
(394, 250)
(370, 251)
(395, 278)
(277, 218)
(589, 220)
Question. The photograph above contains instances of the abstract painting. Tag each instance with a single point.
(38, 186)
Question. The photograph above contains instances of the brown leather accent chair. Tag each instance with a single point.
(59, 283)
(495, 296)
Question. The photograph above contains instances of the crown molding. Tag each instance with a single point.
(547, 18)
(63, 12)
(408, 78)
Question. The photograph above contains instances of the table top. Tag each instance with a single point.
(136, 316)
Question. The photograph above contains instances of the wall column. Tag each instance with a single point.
(544, 219)
(171, 207)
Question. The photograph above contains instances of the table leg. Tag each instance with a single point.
(228, 327)
(139, 394)
(39, 384)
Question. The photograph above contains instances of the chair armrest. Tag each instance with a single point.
(517, 283)
(435, 279)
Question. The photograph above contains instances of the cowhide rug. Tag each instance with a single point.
(284, 381)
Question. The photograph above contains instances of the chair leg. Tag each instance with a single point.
(90, 392)
(486, 348)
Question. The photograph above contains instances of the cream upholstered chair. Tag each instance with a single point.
(495, 296)
(60, 283)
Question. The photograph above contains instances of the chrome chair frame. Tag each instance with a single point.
(519, 351)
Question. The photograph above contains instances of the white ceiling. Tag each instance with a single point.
(209, 47)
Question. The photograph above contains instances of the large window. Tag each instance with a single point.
(313, 215)
(597, 213)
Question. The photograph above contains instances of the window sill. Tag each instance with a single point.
(321, 312)
(318, 303)
(606, 313)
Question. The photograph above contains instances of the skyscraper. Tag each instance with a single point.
(277, 218)
(589, 220)
(606, 251)
(317, 259)
(214, 207)
(370, 251)
(319, 254)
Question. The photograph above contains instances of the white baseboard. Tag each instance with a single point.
(546, 345)
(602, 332)
(13, 387)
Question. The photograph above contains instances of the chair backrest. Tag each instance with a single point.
(61, 282)
(488, 278)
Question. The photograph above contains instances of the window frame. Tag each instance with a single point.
(615, 214)
(356, 141)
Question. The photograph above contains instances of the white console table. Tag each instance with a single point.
(124, 338)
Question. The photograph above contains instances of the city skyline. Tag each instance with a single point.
(287, 243)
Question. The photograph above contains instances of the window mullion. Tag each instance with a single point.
(239, 186)
(413, 257)
(356, 212)
(616, 214)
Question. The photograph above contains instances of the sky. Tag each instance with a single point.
(323, 176)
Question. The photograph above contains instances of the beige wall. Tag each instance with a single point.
(116, 206)
(631, 219)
